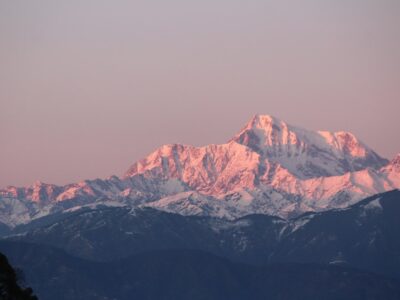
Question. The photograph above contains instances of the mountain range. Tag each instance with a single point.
(277, 212)
(124, 253)
(190, 274)
(364, 235)
(269, 167)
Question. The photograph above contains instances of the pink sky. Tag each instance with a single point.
(88, 87)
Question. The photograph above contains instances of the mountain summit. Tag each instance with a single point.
(269, 167)
(305, 153)
(265, 147)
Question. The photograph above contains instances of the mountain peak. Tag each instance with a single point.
(260, 121)
(268, 167)
(306, 153)
(266, 131)
(265, 123)
(38, 184)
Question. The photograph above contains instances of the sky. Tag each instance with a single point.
(89, 87)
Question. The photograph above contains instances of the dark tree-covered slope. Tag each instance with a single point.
(190, 274)
(9, 288)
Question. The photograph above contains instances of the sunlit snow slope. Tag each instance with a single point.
(269, 167)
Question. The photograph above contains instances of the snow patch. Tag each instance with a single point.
(374, 205)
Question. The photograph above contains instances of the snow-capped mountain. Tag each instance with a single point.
(364, 235)
(269, 167)
(264, 147)
(305, 153)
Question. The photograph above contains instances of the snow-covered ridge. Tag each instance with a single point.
(305, 153)
(269, 167)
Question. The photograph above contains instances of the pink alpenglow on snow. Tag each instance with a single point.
(269, 167)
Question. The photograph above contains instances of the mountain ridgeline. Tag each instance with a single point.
(278, 212)
(191, 274)
(123, 253)
(269, 167)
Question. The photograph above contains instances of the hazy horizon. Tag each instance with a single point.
(89, 87)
